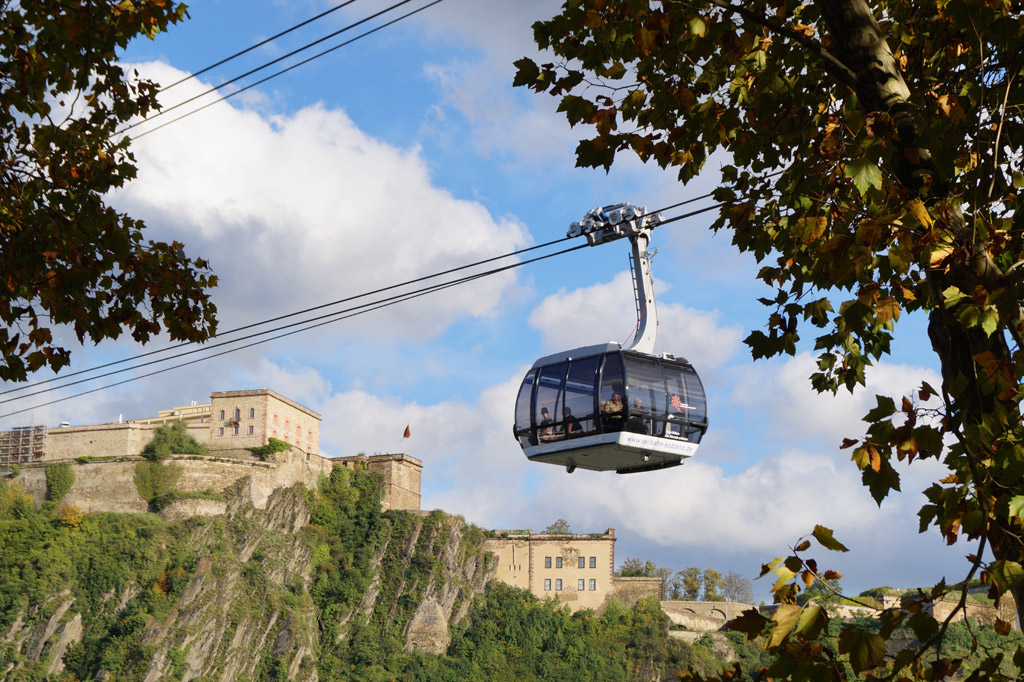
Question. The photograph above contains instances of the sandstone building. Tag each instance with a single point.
(578, 570)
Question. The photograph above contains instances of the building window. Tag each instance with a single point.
(593, 562)
(236, 429)
(583, 562)
(580, 585)
(558, 585)
(593, 584)
(238, 414)
(547, 584)
(558, 562)
(251, 429)
(547, 562)
(222, 414)
(252, 412)
(221, 431)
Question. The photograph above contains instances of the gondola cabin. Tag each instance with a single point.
(608, 409)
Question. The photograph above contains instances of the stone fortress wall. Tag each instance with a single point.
(104, 456)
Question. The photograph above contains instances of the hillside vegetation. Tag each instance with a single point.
(320, 585)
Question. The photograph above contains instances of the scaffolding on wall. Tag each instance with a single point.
(21, 444)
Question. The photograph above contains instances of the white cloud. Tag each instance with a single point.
(782, 393)
(606, 312)
(305, 209)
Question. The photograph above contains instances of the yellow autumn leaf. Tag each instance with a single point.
(920, 213)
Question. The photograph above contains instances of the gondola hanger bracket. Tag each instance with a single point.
(608, 223)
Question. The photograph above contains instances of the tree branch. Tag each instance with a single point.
(832, 64)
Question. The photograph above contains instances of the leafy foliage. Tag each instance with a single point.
(59, 479)
(172, 439)
(67, 257)
(559, 527)
(873, 166)
(274, 445)
(155, 482)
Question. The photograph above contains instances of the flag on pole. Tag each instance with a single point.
(407, 432)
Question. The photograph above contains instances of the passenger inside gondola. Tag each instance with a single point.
(572, 425)
(611, 413)
(544, 427)
(636, 422)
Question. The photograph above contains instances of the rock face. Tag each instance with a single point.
(245, 610)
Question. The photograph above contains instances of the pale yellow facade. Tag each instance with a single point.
(577, 570)
(245, 419)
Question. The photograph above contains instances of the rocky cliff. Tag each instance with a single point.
(273, 593)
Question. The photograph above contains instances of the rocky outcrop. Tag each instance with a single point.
(243, 608)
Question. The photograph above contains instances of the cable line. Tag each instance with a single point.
(259, 44)
(314, 322)
(334, 317)
(273, 319)
(275, 61)
(282, 71)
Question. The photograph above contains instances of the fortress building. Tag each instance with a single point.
(103, 456)
(578, 570)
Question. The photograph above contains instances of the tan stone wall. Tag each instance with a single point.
(110, 485)
(400, 473)
(703, 616)
(631, 590)
(100, 440)
(531, 562)
(401, 479)
(512, 557)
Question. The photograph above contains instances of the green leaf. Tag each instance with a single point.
(813, 619)
(865, 175)
(750, 622)
(885, 407)
(527, 72)
(824, 536)
(924, 625)
(1005, 574)
(865, 649)
(891, 619)
(785, 618)
(576, 109)
(1016, 508)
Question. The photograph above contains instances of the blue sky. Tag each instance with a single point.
(409, 152)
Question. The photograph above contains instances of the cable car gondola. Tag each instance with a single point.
(609, 407)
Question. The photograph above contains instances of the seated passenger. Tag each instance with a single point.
(572, 425)
(611, 413)
(636, 422)
(544, 428)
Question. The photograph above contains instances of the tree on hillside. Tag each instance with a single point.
(67, 257)
(713, 585)
(635, 567)
(873, 157)
(686, 584)
(559, 527)
(737, 588)
(172, 439)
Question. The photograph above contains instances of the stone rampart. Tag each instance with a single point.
(110, 485)
(632, 590)
(703, 616)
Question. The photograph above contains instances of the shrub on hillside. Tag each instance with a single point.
(172, 439)
(155, 482)
(70, 516)
(273, 445)
(59, 479)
